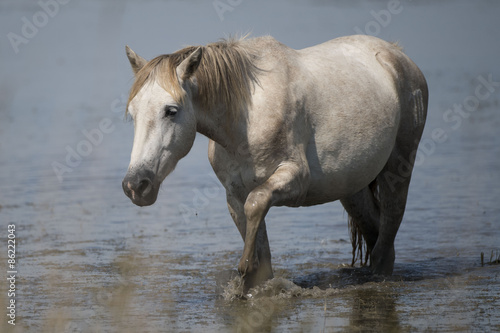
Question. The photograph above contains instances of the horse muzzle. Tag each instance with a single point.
(140, 187)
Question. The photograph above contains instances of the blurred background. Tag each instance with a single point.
(65, 147)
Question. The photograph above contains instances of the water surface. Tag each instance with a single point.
(90, 261)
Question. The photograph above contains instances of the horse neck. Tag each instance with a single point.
(223, 93)
(229, 131)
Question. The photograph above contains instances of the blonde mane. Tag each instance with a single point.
(225, 76)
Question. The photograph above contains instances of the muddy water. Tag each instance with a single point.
(90, 261)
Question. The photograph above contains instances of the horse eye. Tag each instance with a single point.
(170, 110)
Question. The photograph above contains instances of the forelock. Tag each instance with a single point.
(161, 70)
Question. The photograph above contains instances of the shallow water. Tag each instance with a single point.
(90, 261)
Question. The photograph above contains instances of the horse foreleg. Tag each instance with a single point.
(287, 185)
(260, 261)
(264, 270)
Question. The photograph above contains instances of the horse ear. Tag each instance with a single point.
(136, 61)
(188, 66)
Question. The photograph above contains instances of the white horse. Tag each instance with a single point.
(338, 121)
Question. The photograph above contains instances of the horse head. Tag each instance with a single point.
(164, 121)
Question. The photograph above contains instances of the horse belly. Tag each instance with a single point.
(335, 180)
(344, 159)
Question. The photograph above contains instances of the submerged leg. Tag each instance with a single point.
(393, 191)
(264, 271)
(286, 186)
(229, 173)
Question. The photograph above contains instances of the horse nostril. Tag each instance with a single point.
(139, 186)
(144, 187)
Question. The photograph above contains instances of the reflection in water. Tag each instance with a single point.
(258, 315)
(374, 310)
(419, 296)
(119, 283)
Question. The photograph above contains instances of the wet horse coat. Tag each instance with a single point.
(338, 121)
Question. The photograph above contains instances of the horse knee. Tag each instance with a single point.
(256, 206)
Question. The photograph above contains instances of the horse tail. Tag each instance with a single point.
(357, 240)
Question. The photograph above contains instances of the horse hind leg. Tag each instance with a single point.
(393, 182)
(394, 179)
(364, 219)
